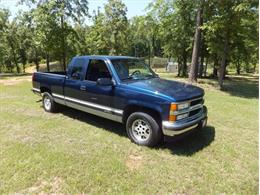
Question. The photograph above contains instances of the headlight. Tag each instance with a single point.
(174, 108)
(183, 106)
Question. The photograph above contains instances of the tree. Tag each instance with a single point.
(116, 24)
(196, 47)
(4, 48)
(175, 29)
(61, 12)
(144, 32)
(224, 26)
(99, 35)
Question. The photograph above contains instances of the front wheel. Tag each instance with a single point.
(48, 103)
(143, 129)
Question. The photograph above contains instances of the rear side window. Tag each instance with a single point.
(97, 69)
(77, 67)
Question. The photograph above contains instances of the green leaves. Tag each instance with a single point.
(58, 28)
(116, 25)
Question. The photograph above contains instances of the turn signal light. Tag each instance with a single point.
(173, 107)
(172, 117)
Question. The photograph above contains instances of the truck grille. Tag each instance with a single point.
(196, 107)
(194, 112)
(196, 101)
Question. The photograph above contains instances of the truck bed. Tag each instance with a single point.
(49, 80)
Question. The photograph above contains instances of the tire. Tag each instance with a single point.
(143, 129)
(48, 103)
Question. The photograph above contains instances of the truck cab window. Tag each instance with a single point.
(97, 69)
(76, 72)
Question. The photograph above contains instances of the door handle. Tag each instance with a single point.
(83, 88)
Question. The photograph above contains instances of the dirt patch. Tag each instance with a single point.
(134, 162)
(15, 81)
(30, 69)
(42, 187)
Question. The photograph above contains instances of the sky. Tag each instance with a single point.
(134, 7)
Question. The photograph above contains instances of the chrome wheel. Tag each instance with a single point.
(141, 130)
(47, 103)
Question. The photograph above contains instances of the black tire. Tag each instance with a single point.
(138, 123)
(52, 106)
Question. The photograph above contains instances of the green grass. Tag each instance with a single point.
(73, 152)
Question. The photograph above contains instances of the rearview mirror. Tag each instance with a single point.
(105, 82)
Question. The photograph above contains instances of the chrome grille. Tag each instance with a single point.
(196, 101)
(194, 110)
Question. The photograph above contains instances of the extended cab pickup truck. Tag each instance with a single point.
(126, 90)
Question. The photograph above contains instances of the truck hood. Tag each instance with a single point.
(173, 89)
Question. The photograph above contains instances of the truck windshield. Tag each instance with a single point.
(132, 69)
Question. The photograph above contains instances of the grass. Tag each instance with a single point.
(72, 152)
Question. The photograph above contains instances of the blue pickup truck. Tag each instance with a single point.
(126, 90)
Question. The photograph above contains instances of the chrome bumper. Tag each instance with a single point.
(177, 128)
(36, 91)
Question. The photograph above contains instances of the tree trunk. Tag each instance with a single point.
(196, 47)
(116, 43)
(184, 63)
(63, 43)
(205, 69)
(215, 70)
(36, 61)
(254, 68)
(201, 54)
(14, 55)
(179, 66)
(153, 45)
(15, 61)
(16, 64)
(238, 67)
(201, 66)
(149, 55)
(222, 68)
(48, 61)
(226, 72)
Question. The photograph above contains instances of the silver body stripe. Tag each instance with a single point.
(92, 108)
(93, 105)
(95, 112)
(59, 96)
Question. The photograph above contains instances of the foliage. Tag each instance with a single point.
(55, 30)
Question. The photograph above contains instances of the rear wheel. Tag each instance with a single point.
(48, 103)
(143, 129)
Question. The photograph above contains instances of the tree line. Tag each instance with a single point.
(219, 33)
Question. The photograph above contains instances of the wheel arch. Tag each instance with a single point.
(45, 89)
(138, 108)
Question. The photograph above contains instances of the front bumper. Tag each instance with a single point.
(177, 128)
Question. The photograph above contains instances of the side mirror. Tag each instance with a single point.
(105, 82)
(75, 76)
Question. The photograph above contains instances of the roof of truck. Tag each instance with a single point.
(106, 57)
